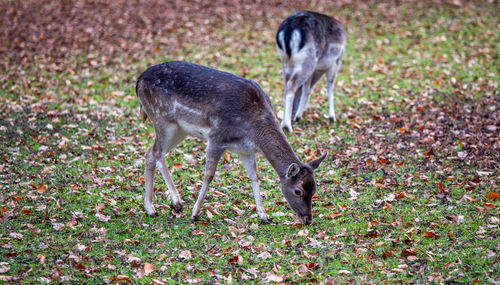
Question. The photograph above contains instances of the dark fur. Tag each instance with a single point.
(223, 93)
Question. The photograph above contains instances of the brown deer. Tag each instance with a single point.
(309, 45)
(231, 113)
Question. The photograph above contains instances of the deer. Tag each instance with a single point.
(231, 114)
(309, 45)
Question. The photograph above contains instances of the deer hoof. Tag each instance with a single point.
(177, 208)
(195, 219)
(287, 128)
(153, 214)
(332, 119)
(267, 221)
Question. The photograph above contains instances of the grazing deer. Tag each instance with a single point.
(231, 113)
(309, 45)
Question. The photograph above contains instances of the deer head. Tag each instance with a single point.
(298, 188)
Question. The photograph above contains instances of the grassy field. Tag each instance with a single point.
(408, 192)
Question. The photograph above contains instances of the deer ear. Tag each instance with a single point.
(315, 163)
(292, 170)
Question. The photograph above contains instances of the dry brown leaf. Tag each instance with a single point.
(123, 278)
(148, 268)
(271, 277)
(42, 258)
(303, 233)
(493, 196)
(185, 254)
(430, 235)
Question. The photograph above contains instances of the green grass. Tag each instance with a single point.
(71, 169)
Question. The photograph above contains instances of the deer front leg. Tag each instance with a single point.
(213, 156)
(149, 175)
(251, 168)
(305, 94)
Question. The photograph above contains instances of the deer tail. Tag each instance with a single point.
(139, 88)
(142, 115)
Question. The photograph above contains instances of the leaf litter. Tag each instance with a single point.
(408, 193)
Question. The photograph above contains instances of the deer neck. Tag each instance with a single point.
(274, 146)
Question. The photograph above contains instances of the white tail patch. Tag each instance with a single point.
(295, 41)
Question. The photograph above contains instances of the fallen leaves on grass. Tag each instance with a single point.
(493, 195)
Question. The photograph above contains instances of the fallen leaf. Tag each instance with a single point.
(148, 268)
(134, 261)
(493, 196)
(387, 253)
(4, 269)
(102, 217)
(185, 254)
(481, 231)
(198, 232)
(488, 205)
(41, 189)
(303, 233)
(41, 257)
(233, 260)
(334, 215)
(430, 235)
(264, 255)
(121, 278)
(271, 277)
(468, 198)
(408, 252)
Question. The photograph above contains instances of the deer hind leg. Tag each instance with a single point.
(149, 175)
(213, 155)
(174, 135)
(305, 94)
(296, 102)
(330, 78)
(288, 102)
(166, 139)
(251, 168)
(297, 79)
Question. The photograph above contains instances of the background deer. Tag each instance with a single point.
(309, 45)
(231, 113)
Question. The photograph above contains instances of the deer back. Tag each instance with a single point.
(204, 101)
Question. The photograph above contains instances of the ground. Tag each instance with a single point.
(408, 192)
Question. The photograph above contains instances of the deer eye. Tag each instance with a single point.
(298, 192)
